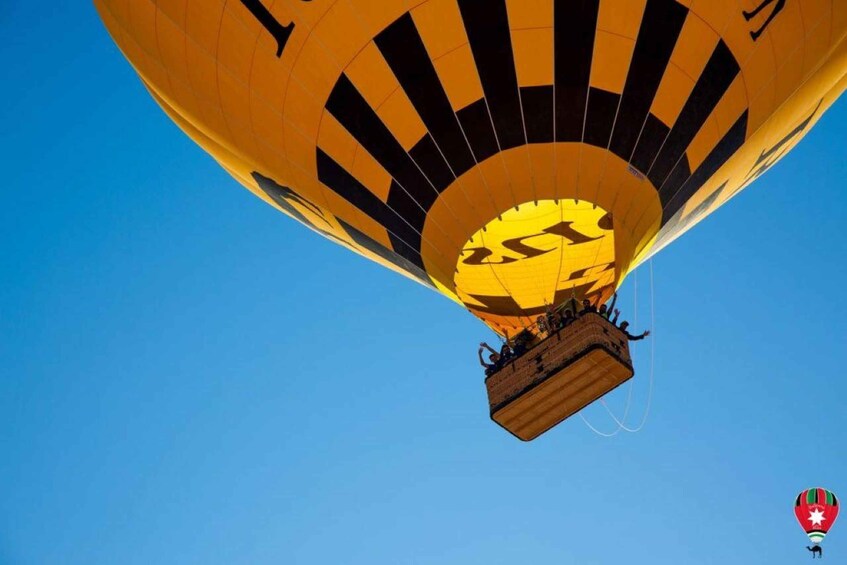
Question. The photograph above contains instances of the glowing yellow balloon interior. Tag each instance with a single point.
(535, 255)
(507, 153)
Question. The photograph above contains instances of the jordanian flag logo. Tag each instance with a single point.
(816, 510)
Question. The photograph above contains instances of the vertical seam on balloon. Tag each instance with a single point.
(218, 74)
(555, 159)
(831, 27)
(257, 139)
(296, 56)
(585, 107)
(803, 27)
(159, 47)
(560, 201)
(537, 268)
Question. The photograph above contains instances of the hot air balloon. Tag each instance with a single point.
(510, 154)
(816, 509)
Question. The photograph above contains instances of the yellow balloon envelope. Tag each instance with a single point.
(508, 153)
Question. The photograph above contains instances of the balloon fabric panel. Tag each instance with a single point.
(510, 154)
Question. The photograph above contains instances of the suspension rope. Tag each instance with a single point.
(620, 426)
(621, 423)
(631, 383)
(596, 431)
(652, 353)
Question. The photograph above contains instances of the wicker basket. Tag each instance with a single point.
(561, 375)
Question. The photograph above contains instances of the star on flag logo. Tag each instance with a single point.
(817, 510)
(816, 517)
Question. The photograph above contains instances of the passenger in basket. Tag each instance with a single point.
(606, 312)
(494, 357)
(541, 323)
(587, 306)
(552, 320)
(614, 319)
(505, 353)
(560, 319)
(567, 318)
(521, 343)
(629, 336)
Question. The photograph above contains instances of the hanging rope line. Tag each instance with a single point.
(652, 350)
(631, 382)
(621, 423)
(596, 431)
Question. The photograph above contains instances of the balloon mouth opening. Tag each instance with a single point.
(536, 254)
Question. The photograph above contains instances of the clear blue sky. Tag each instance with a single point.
(187, 376)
